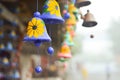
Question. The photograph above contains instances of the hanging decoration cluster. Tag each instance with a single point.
(9, 42)
(36, 30)
(71, 12)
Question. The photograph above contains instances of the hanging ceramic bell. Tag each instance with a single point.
(9, 47)
(71, 20)
(82, 3)
(89, 20)
(51, 12)
(65, 52)
(2, 47)
(13, 34)
(16, 74)
(68, 39)
(5, 61)
(1, 34)
(36, 31)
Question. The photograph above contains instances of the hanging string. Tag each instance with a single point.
(50, 36)
(37, 6)
(49, 57)
(38, 52)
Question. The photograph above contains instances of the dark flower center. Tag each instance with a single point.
(56, 7)
(34, 27)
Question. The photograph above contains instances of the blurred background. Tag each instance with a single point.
(86, 45)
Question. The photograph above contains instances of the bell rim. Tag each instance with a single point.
(53, 20)
(82, 4)
(36, 39)
(67, 55)
(89, 23)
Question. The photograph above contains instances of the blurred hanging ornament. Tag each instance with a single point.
(66, 15)
(66, 6)
(5, 61)
(72, 33)
(73, 1)
(2, 47)
(62, 59)
(13, 34)
(91, 36)
(50, 50)
(71, 30)
(89, 20)
(65, 52)
(38, 69)
(1, 34)
(9, 47)
(51, 12)
(71, 20)
(52, 68)
(72, 9)
(2, 76)
(82, 3)
(68, 39)
(64, 11)
(16, 74)
(36, 31)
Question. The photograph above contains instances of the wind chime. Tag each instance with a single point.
(36, 30)
(51, 12)
(88, 18)
(64, 53)
(66, 14)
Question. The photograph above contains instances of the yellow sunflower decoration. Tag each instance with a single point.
(35, 28)
(53, 8)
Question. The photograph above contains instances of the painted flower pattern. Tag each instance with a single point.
(35, 28)
(53, 7)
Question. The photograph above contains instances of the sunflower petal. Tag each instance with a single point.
(30, 33)
(41, 31)
(34, 21)
(36, 34)
(38, 22)
(30, 23)
(29, 27)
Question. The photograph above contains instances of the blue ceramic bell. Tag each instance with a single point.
(13, 35)
(5, 61)
(51, 12)
(9, 47)
(36, 31)
(16, 74)
(2, 47)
